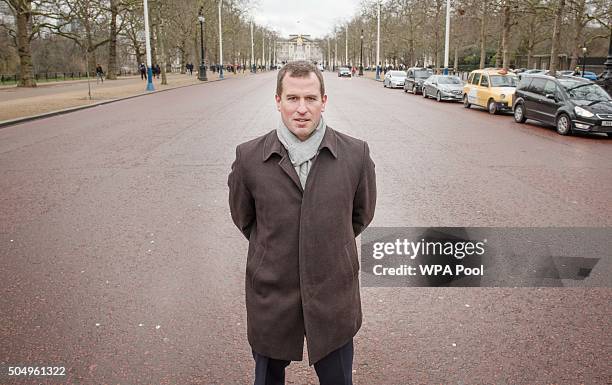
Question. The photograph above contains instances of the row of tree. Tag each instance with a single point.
(71, 35)
(75, 35)
(483, 33)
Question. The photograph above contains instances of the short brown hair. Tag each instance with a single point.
(298, 69)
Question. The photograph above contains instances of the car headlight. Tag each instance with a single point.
(582, 112)
(503, 96)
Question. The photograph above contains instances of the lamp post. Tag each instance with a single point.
(378, 41)
(220, 43)
(361, 55)
(202, 72)
(584, 51)
(446, 37)
(252, 50)
(346, 62)
(148, 48)
(335, 52)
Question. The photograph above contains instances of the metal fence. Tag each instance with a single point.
(56, 76)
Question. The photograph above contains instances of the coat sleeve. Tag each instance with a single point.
(365, 196)
(241, 202)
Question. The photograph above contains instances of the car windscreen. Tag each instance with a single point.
(422, 74)
(449, 80)
(398, 74)
(503, 81)
(584, 91)
(343, 69)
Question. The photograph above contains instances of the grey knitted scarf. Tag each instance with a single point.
(301, 153)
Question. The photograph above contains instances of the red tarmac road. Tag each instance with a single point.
(120, 261)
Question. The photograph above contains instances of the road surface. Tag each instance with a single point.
(120, 261)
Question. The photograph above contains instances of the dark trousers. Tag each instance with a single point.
(334, 369)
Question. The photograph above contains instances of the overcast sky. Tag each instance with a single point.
(314, 17)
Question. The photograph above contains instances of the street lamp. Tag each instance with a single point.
(584, 51)
(346, 62)
(446, 37)
(220, 43)
(148, 47)
(378, 41)
(361, 55)
(202, 72)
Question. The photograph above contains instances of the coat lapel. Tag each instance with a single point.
(288, 168)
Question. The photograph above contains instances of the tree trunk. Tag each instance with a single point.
(111, 71)
(91, 51)
(483, 50)
(23, 19)
(498, 53)
(197, 48)
(159, 41)
(182, 56)
(505, 34)
(578, 27)
(530, 41)
(556, 37)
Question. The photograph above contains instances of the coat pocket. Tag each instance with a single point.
(350, 252)
(254, 262)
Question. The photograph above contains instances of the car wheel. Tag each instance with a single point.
(414, 89)
(385, 83)
(519, 113)
(405, 90)
(424, 92)
(438, 97)
(564, 124)
(492, 107)
(466, 104)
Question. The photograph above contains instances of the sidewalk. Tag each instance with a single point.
(20, 102)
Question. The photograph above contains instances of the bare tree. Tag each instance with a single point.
(22, 11)
(556, 37)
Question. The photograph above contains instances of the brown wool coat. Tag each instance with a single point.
(302, 269)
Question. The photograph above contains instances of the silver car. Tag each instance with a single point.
(443, 87)
(344, 71)
(394, 79)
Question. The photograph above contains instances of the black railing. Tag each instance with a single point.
(7, 79)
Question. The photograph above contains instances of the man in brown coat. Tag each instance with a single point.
(301, 194)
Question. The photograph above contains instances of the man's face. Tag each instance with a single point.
(301, 104)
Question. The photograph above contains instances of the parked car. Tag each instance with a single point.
(562, 73)
(533, 71)
(589, 75)
(415, 76)
(344, 71)
(394, 79)
(569, 103)
(443, 87)
(491, 88)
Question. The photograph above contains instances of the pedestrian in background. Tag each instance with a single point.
(301, 194)
(143, 71)
(99, 73)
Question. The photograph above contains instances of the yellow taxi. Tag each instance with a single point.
(491, 88)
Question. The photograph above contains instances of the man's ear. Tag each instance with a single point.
(278, 100)
(324, 100)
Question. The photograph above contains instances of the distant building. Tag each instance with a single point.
(298, 47)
